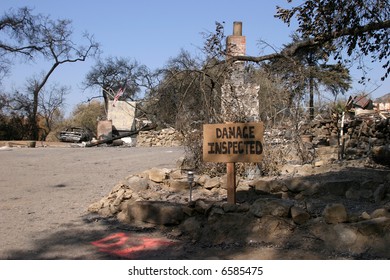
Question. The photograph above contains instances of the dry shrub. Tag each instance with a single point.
(275, 156)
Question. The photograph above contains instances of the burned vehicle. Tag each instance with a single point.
(75, 135)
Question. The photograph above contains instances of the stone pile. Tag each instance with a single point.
(342, 213)
(363, 136)
(365, 133)
(167, 137)
(325, 132)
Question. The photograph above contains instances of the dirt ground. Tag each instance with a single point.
(45, 194)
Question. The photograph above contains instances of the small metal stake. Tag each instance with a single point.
(190, 178)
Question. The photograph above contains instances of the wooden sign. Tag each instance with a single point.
(233, 142)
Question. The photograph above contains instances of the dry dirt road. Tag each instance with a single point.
(45, 194)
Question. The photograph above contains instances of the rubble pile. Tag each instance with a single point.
(362, 136)
(325, 132)
(365, 134)
(167, 137)
(327, 209)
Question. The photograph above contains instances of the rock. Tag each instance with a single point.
(380, 193)
(270, 206)
(94, 207)
(267, 186)
(381, 212)
(178, 185)
(156, 212)
(261, 186)
(335, 213)
(201, 180)
(191, 227)
(352, 194)
(113, 209)
(177, 175)
(119, 197)
(186, 163)
(299, 215)
(299, 184)
(374, 227)
(123, 217)
(105, 211)
(158, 175)
(189, 211)
(215, 213)
(202, 207)
(271, 229)
(243, 187)
(381, 155)
(365, 193)
(212, 183)
(365, 216)
(228, 207)
(345, 235)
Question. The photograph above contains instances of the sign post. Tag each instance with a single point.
(231, 143)
(231, 182)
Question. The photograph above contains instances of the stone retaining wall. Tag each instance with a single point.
(338, 213)
(167, 137)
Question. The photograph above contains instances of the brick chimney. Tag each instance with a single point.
(236, 43)
(240, 100)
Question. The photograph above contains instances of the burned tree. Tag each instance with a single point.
(115, 74)
(39, 36)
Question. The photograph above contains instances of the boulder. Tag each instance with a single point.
(298, 184)
(212, 183)
(345, 235)
(374, 227)
(158, 175)
(203, 207)
(155, 212)
(137, 183)
(178, 185)
(299, 215)
(335, 213)
(201, 180)
(381, 155)
(381, 212)
(228, 207)
(271, 206)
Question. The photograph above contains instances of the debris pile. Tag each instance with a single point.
(366, 130)
(363, 133)
(325, 132)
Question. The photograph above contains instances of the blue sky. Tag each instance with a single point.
(152, 31)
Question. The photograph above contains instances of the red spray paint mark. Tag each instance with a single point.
(121, 245)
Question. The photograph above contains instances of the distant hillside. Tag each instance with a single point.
(383, 99)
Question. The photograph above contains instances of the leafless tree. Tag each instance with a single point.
(51, 101)
(39, 36)
(116, 73)
(357, 27)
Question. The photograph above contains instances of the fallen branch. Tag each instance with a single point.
(103, 141)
